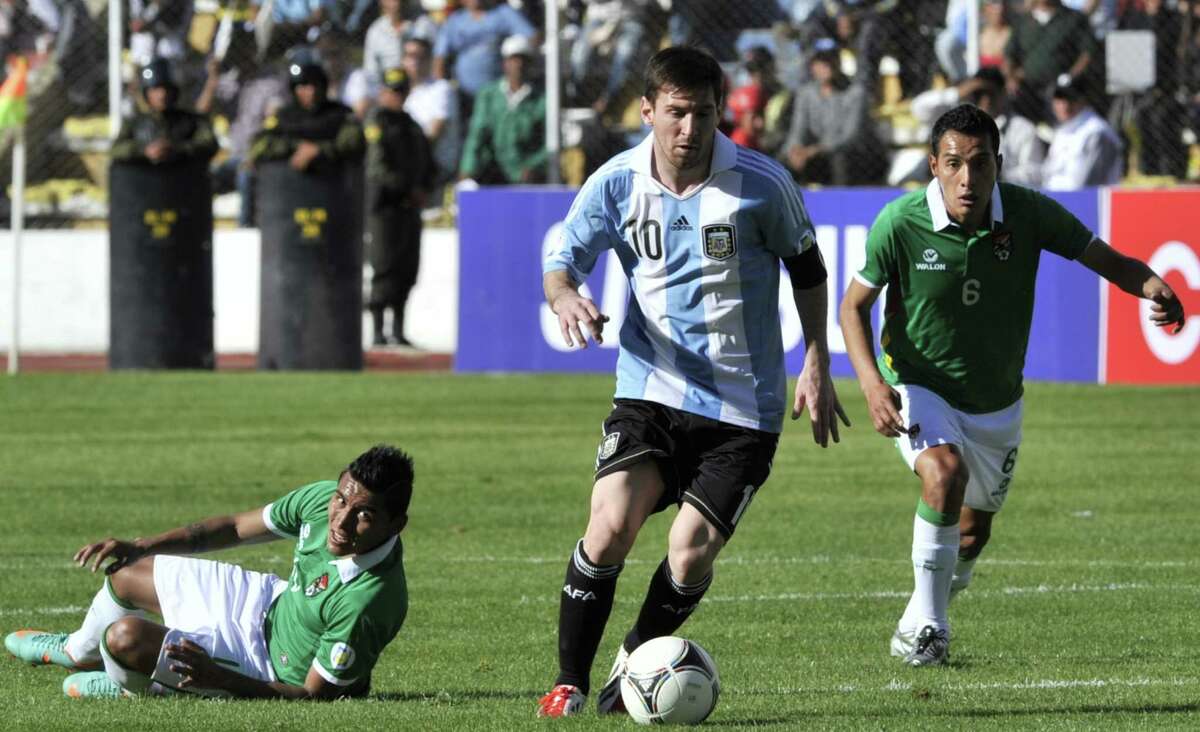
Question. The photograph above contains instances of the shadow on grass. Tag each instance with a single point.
(451, 696)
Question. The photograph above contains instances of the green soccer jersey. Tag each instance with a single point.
(959, 304)
(337, 613)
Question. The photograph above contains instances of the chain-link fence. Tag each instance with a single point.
(840, 92)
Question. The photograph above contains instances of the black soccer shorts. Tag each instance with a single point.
(714, 466)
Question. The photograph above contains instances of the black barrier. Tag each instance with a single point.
(312, 268)
(160, 228)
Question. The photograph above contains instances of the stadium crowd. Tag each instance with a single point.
(828, 87)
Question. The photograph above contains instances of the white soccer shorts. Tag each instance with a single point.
(988, 442)
(221, 607)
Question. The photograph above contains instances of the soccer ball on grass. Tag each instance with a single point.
(670, 680)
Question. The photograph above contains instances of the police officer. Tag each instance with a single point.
(164, 133)
(313, 132)
(400, 173)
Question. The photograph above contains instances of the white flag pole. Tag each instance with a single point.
(18, 226)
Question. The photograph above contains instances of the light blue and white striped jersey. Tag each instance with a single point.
(702, 329)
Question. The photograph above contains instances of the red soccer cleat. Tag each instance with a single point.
(563, 700)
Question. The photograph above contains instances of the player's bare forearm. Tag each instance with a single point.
(217, 532)
(198, 670)
(573, 310)
(814, 388)
(812, 305)
(855, 316)
(1135, 277)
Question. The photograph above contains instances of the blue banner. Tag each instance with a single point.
(505, 325)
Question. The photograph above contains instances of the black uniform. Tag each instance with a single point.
(190, 134)
(332, 126)
(399, 167)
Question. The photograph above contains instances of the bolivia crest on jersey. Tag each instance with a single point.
(1002, 245)
(720, 241)
(317, 586)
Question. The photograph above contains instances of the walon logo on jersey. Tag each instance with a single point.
(682, 224)
(720, 241)
(931, 263)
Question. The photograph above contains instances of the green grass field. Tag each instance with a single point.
(1085, 609)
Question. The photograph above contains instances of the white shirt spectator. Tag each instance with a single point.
(1023, 151)
(383, 47)
(1085, 152)
(428, 102)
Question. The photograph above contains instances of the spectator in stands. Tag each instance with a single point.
(263, 90)
(163, 134)
(622, 30)
(1159, 114)
(384, 45)
(28, 29)
(471, 38)
(1101, 14)
(951, 42)
(282, 24)
(747, 105)
(994, 31)
(715, 25)
(1191, 60)
(507, 139)
(1046, 43)
(832, 139)
(432, 103)
(159, 28)
(777, 112)
(79, 57)
(1085, 151)
(1020, 146)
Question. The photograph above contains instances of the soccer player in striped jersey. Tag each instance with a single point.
(961, 257)
(700, 226)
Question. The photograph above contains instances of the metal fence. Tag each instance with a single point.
(838, 91)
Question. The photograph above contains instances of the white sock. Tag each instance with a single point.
(131, 681)
(934, 552)
(963, 570)
(84, 644)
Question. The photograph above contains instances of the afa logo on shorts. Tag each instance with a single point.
(608, 445)
(720, 241)
(341, 657)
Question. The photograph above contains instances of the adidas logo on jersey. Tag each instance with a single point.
(682, 224)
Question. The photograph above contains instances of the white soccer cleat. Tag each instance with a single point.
(902, 642)
(609, 700)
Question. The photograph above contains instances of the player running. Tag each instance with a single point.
(961, 259)
(228, 631)
(700, 226)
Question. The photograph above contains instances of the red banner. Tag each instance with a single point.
(1162, 228)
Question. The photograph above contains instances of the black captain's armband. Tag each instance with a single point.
(807, 269)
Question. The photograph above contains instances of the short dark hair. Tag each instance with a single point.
(685, 68)
(966, 119)
(387, 471)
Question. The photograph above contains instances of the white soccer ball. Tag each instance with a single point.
(670, 680)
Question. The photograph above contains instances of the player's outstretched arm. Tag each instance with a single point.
(218, 532)
(1135, 277)
(814, 387)
(573, 310)
(198, 670)
(883, 402)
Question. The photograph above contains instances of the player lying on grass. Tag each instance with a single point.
(961, 257)
(228, 631)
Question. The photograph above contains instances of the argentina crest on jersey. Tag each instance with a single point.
(608, 445)
(1002, 245)
(720, 241)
